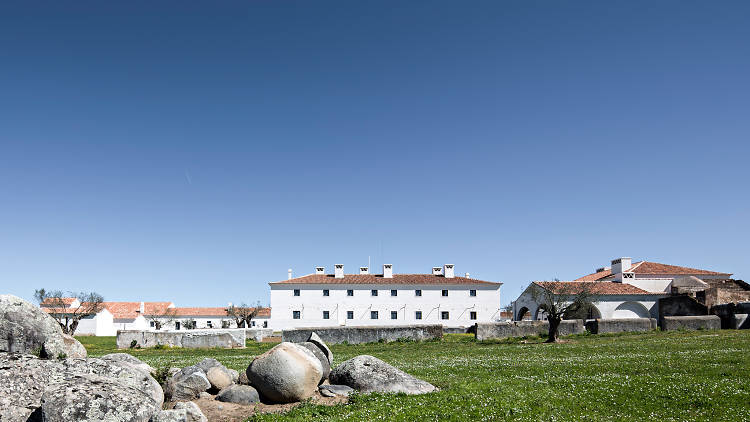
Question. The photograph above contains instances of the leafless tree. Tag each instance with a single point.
(162, 318)
(243, 314)
(561, 299)
(68, 316)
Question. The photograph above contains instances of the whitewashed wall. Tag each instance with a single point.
(609, 306)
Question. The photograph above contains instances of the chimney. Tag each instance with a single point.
(448, 271)
(142, 309)
(467, 275)
(338, 271)
(387, 270)
(320, 270)
(289, 275)
(437, 270)
(364, 270)
(229, 305)
(619, 266)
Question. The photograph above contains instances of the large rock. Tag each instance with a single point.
(187, 384)
(369, 374)
(242, 379)
(240, 394)
(192, 411)
(316, 340)
(333, 390)
(89, 397)
(25, 328)
(125, 359)
(286, 373)
(23, 379)
(324, 363)
(207, 364)
(219, 377)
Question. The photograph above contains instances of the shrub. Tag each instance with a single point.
(133, 344)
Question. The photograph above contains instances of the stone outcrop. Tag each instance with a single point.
(368, 374)
(239, 394)
(324, 363)
(316, 340)
(128, 360)
(23, 379)
(192, 412)
(187, 384)
(286, 373)
(219, 377)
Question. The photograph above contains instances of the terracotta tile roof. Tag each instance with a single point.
(379, 279)
(129, 310)
(217, 311)
(67, 301)
(595, 276)
(596, 287)
(646, 267)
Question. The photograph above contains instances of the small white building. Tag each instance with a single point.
(207, 318)
(364, 299)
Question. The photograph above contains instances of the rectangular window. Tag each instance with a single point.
(295, 314)
(177, 325)
(472, 292)
(373, 314)
(349, 314)
(326, 315)
(472, 315)
(418, 315)
(326, 292)
(444, 315)
(394, 314)
(209, 324)
(153, 324)
(296, 292)
(394, 292)
(265, 324)
(373, 292)
(445, 293)
(418, 292)
(350, 292)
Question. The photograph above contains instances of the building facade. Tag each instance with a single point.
(387, 299)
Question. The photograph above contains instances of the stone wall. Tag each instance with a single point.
(193, 339)
(696, 322)
(258, 334)
(500, 330)
(620, 325)
(733, 315)
(679, 306)
(356, 335)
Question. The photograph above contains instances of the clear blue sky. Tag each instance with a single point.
(194, 152)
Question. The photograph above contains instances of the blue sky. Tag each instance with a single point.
(194, 152)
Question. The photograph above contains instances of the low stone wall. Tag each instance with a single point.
(258, 334)
(456, 330)
(192, 339)
(500, 330)
(620, 325)
(356, 335)
(730, 314)
(740, 322)
(697, 322)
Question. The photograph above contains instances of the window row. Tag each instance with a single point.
(444, 315)
(394, 292)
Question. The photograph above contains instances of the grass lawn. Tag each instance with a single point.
(674, 376)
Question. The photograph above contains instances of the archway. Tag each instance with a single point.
(523, 313)
(630, 310)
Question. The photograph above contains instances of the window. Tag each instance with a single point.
(418, 292)
(296, 292)
(349, 314)
(326, 292)
(373, 314)
(295, 314)
(394, 292)
(472, 292)
(373, 292)
(472, 315)
(153, 324)
(252, 324)
(445, 293)
(177, 325)
(350, 292)
(209, 324)
(418, 315)
(265, 324)
(326, 315)
(394, 314)
(444, 315)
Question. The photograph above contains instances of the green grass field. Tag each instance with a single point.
(675, 376)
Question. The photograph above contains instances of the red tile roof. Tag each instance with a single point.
(413, 279)
(130, 310)
(596, 287)
(646, 267)
(220, 312)
(50, 301)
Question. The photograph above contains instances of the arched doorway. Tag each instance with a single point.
(523, 313)
(630, 310)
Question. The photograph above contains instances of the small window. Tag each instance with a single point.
(265, 324)
(444, 315)
(350, 292)
(252, 324)
(418, 315)
(472, 292)
(296, 292)
(177, 325)
(153, 324)
(445, 293)
(394, 314)
(418, 292)
(295, 314)
(394, 292)
(373, 314)
(209, 324)
(326, 292)
(373, 292)
(326, 315)
(349, 314)
(472, 315)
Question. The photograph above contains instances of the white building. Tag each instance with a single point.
(364, 299)
(624, 290)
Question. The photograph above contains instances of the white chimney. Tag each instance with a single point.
(437, 270)
(289, 275)
(142, 309)
(387, 270)
(621, 265)
(448, 271)
(320, 270)
(364, 270)
(338, 271)
(467, 275)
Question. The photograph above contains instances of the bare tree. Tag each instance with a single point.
(560, 299)
(162, 318)
(59, 307)
(243, 314)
